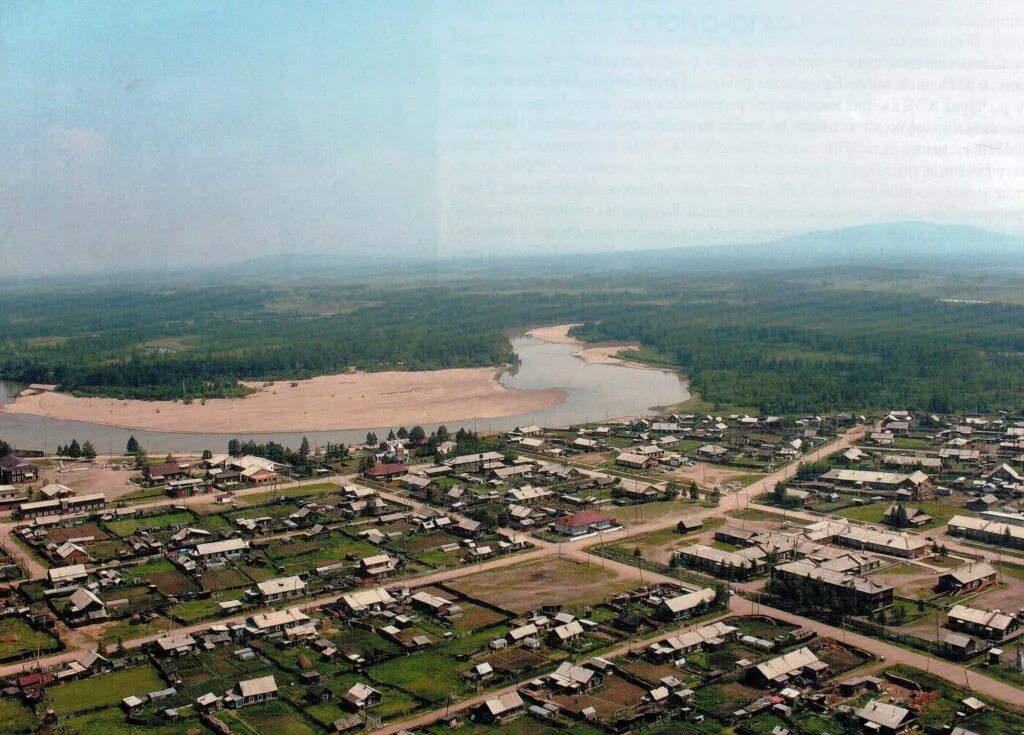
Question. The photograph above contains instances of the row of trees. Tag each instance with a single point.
(74, 450)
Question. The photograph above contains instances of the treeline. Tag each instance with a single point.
(779, 342)
(794, 348)
(151, 348)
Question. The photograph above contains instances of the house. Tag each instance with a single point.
(252, 691)
(218, 551)
(60, 576)
(985, 502)
(385, 472)
(636, 461)
(16, 469)
(370, 600)
(161, 472)
(686, 605)
(959, 645)
(499, 710)
(362, 696)
(712, 452)
(177, 643)
(85, 606)
(56, 490)
(581, 524)
(467, 528)
(991, 625)
(567, 633)
(967, 578)
(885, 718)
(379, 565)
(572, 678)
(883, 482)
(70, 553)
(415, 483)
(435, 605)
(276, 621)
(798, 664)
(915, 517)
(1005, 473)
(705, 637)
(281, 588)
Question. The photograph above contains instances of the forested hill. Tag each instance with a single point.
(780, 336)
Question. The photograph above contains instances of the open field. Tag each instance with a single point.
(324, 403)
(556, 581)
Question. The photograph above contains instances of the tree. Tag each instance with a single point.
(207, 454)
(132, 446)
(234, 447)
(169, 458)
(402, 433)
(5, 448)
(637, 553)
(721, 595)
(74, 449)
(694, 491)
(417, 434)
(781, 494)
(716, 496)
(88, 450)
(442, 434)
(371, 438)
(391, 435)
(899, 516)
(304, 448)
(141, 461)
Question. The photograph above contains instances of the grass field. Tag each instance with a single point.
(15, 717)
(872, 512)
(19, 639)
(428, 675)
(274, 717)
(128, 526)
(112, 721)
(103, 691)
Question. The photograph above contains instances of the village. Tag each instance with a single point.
(678, 573)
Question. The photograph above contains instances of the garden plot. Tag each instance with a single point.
(155, 522)
(614, 695)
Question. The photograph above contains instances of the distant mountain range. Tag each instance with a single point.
(883, 244)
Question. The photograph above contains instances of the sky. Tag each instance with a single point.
(160, 135)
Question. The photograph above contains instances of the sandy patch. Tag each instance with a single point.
(325, 403)
(605, 354)
(708, 475)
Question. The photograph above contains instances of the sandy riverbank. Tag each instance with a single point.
(325, 403)
(597, 355)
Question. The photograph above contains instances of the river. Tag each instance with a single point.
(595, 392)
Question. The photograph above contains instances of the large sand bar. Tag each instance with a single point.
(325, 403)
(596, 355)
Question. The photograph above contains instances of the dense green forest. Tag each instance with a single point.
(779, 340)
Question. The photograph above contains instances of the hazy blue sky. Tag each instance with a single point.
(174, 133)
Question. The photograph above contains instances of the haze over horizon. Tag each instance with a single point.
(144, 134)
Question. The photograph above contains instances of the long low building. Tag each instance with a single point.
(990, 532)
(859, 593)
(728, 564)
(62, 506)
(902, 545)
(888, 482)
(993, 625)
(686, 605)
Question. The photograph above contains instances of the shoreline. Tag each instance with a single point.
(340, 402)
(595, 354)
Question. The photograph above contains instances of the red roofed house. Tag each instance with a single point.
(385, 471)
(583, 523)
